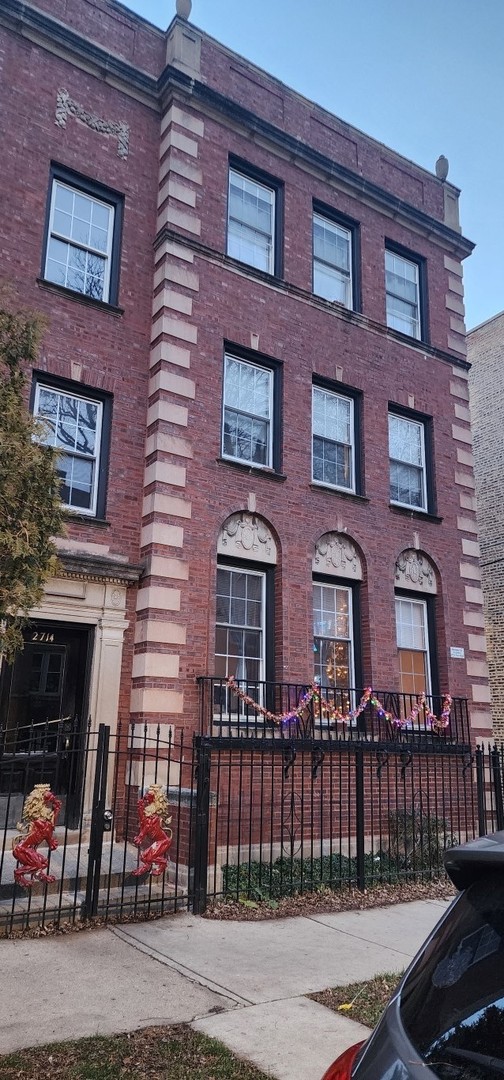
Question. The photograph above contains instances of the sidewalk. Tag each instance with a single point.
(243, 983)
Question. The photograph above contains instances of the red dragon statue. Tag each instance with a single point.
(153, 812)
(40, 814)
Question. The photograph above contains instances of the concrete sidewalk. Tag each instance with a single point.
(242, 982)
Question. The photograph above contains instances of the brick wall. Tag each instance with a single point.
(168, 494)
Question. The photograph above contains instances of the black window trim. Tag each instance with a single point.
(353, 226)
(423, 298)
(78, 389)
(252, 356)
(106, 194)
(343, 390)
(430, 472)
(246, 169)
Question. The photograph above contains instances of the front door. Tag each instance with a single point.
(42, 710)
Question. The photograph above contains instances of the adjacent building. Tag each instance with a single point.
(486, 352)
(255, 368)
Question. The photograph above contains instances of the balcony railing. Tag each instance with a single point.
(281, 710)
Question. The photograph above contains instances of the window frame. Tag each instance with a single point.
(422, 290)
(258, 176)
(44, 380)
(267, 571)
(354, 589)
(240, 568)
(427, 602)
(274, 367)
(350, 393)
(352, 227)
(59, 174)
(428, 484)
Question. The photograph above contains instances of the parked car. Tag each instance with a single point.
(445, 1021)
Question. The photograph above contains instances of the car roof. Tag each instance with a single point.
(469, 862)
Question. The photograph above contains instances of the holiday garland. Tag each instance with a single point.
(334, 715)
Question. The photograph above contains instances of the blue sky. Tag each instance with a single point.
(425, 78)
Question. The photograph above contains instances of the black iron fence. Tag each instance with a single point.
(138, 823)
(283, 710)
(310, 814)
(73, 844)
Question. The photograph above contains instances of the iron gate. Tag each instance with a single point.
(96, 868)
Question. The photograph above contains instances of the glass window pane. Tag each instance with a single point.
(98, 238)
(253, 613)
(252, 644)
(330, 284)
(405, 440)
(239, 605)
(237, 617)
(81, 483)
(87, 223)
(63, 198)
(331, 243)
(410, 621)
(223, 609)
(246, 388)
(238, 585)
(223, 582)
(71, 424)
(62, 223)
(76, 280)
(250, 222)
(220, 640)
(254, 587)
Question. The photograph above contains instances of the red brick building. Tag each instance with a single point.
(255, 368)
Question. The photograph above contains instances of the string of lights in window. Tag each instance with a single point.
(330, 712)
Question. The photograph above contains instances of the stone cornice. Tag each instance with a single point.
(356, 184)
(52, 34)
(97, 568)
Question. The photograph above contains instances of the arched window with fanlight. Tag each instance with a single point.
(337, 573)
(415, 598)
(246, 560)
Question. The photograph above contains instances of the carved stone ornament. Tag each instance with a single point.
(247, 537)
(336, 554)
(414, 571)
(66, 106)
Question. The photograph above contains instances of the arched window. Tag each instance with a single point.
(247, 554)
(415, 583)
(337, 570)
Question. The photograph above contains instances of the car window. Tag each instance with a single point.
(452, 1003)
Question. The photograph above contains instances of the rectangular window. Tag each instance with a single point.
(402, 282)
(333, 645)
(413, 646)
(240, 627)
(408, 481)
(332, 261)
(74, 425)
(333, 437)
(83, 234)
(251, 221)
(247, 412)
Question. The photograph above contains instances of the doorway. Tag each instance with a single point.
(43, 712)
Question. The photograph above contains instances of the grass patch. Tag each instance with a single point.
(155, 1053)
(367, 1000)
